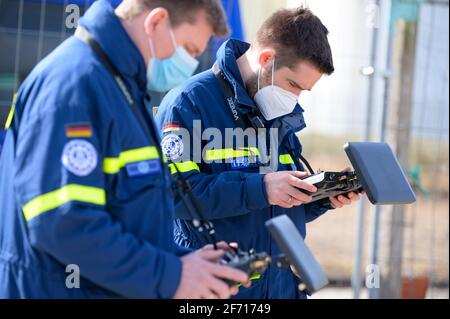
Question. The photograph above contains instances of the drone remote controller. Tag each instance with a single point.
(332, 184)
(253, 264)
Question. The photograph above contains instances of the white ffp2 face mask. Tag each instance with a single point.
(273, 101)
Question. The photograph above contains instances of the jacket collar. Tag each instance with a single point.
(227, 57)
(108, 31)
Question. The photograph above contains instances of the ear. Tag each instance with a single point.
(266, 56)
(156, 18)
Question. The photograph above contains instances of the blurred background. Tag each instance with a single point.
(391, 84)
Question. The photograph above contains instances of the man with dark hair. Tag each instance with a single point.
(181, 11)
(85, 199)
(246, 104)
(297, 35)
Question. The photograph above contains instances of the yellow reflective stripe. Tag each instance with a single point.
(114, 165)
(11, 113)
(286, 159)
(69, 193)
(228, 153)
(255, 277)
(184, 167)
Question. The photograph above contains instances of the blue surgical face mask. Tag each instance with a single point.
(164, 75)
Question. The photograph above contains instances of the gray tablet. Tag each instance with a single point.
(380, 173)
(298, 255)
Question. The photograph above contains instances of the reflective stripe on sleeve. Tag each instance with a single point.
(64, 195)
(183, 167)
(114, 165)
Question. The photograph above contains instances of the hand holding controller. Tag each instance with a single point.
(332, 184)
(251, 263)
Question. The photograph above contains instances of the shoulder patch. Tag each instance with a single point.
(172, 146)
(79, 157)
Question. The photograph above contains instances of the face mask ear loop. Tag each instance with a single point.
(273, 73)
(152, 49)
(174, 41)
(259, 76)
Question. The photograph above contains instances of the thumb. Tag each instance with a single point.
(299, 174)
(211, 255)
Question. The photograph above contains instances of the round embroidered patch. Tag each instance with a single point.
(172, 146)
(79, 157)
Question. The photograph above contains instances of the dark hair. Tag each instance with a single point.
(297, 34)
(185, 11)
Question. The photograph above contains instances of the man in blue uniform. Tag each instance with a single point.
(85, 199)
(251, 88)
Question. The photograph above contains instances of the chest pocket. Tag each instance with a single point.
(137, 179)
(233, 159)
(135, 172)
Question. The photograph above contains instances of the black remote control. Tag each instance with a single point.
(251, 263)
(332, 184)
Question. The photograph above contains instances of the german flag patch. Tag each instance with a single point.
(171, 127)
(79, 130)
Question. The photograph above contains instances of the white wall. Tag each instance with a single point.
(337, 105)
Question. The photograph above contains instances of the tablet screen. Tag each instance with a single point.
(381, 174)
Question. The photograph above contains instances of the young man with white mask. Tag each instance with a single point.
(85, 194)
(251, 87)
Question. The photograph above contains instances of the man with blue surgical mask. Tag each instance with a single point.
(85, 194)
(251, 87)
(162, 75)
